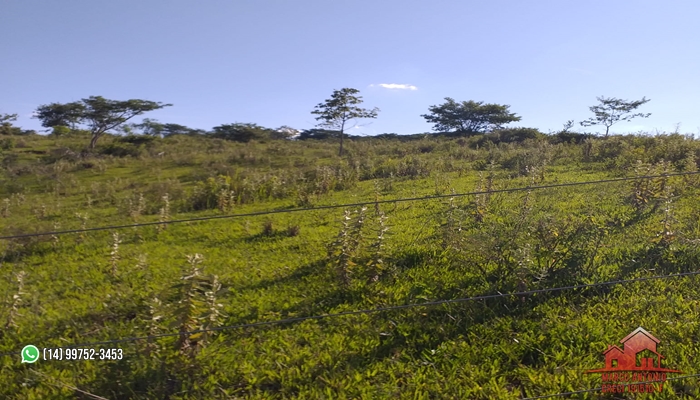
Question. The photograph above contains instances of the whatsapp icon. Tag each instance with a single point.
(30, 354)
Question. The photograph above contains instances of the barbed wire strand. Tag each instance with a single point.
(371, 311)
(377, 310)
(327, 207)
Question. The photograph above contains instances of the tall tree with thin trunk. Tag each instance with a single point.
(337, 111)
(99, 114)
(612, 110)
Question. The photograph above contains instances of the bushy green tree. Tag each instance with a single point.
(341, 108)
(99, 114)
(469, 117)
(6, 127)
(241, 132)
(152, 127)
(612, 110)
(57, 114)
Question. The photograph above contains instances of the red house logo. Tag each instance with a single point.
(637, 367)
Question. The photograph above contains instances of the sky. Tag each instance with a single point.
(270, 62)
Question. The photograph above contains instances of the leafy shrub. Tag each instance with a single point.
(205, 195)
(567, 137)
(7, 144)
(426, 148)
(484, 140)
(121, 150)
(611, 148)
(409, 167)
(7, 129)
(517, 135)
(673, 148)
(293, 230)
(60, 131)
(268, 228)
(326, 178)
(137, 139)
(61, 153)
(10, 160)
(480, 165)
(522, 160)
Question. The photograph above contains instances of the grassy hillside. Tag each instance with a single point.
(65, 289)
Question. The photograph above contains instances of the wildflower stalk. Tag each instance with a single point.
(5, 208)
(343, 249)
(376, 265)
(154, 319)
(164, 214)
(114, 254)
(83, 225)
(16, 301)
(667, 234)
(54, 238)
(376, 198)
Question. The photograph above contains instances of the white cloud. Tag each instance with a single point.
(397, 86)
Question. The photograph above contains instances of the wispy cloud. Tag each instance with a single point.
(396, 86)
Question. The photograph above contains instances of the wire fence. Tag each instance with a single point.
(372, 311)
(348, 205)
(380, 309)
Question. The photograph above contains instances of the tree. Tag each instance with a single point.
(340, 109)
(240, 132)
(151, 127)
(99, 114)
(56, 114)
(612, 110)
(6, 127)
(469, 117)
(148, 127)
(171, 129)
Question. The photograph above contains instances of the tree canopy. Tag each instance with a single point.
(152, 127)
(100, 115)
(6, 127)
(612, 110)
(469, 117)
(241, 132)
(341, 108)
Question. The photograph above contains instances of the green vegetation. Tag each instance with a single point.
(611, 111)
(469, 117)
(60, 290)
(340, 109)
(99, 114)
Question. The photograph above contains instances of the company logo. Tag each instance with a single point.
(635, 368)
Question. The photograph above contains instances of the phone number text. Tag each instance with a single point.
(82, 354)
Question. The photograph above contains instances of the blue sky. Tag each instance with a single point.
(270, 62)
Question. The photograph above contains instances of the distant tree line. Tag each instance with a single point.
(96, 116)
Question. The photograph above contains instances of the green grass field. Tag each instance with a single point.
(66, 289)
